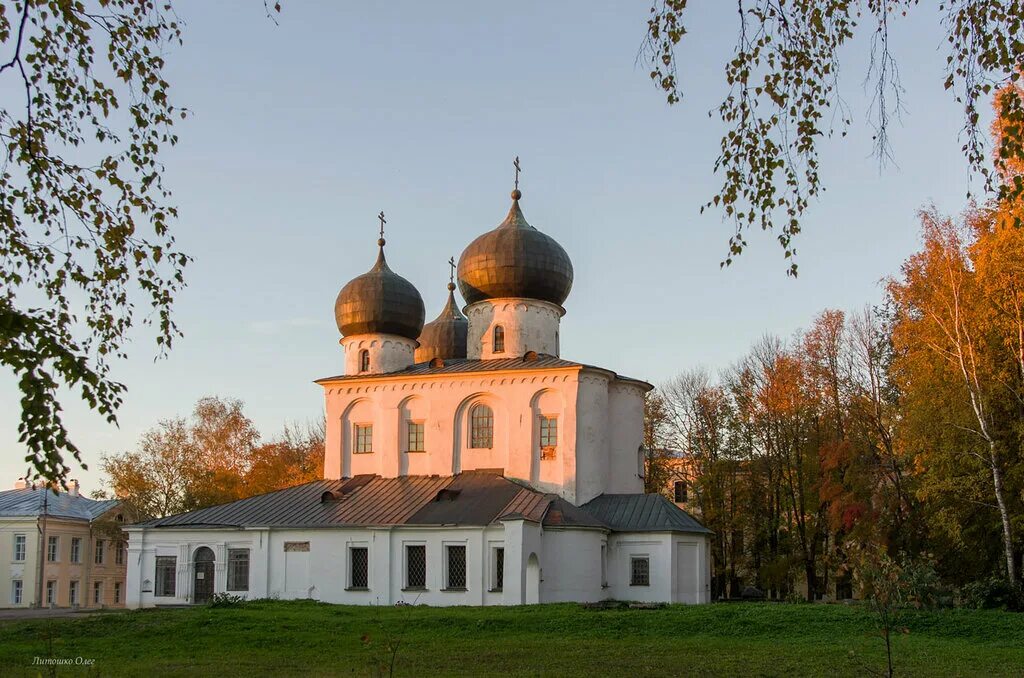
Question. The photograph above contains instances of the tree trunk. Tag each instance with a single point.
(1004, 514)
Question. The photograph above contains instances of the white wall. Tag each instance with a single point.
(529, 325)
(387, 352)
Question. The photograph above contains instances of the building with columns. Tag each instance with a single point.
(466, 463)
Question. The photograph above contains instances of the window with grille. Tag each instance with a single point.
(359, 567)
(99, 551)
(165, 576)
(456, 554)
(19, 547)
(51, 592)
(119, 553)
(16, 591)
(364, 360)
(73, 593)
(76, 549)
(499, 569)
(414, 437)
(679, 489)
(415, 566)
(52, 548)
(640, 571)
(117, 592)
(97, 592)
(364, 438)
(238, 569)
(499, 339)
(481, 427)
(548, 431)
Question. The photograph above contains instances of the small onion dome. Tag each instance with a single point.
(379, 302)
(515, 260)
(445, 336)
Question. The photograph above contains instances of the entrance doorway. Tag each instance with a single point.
(202, 584)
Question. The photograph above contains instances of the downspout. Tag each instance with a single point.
(41, 552)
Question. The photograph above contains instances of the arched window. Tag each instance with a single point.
(499, 339)
(364, 360)
(481, 427)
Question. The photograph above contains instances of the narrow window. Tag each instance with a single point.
(99, 552)
(52, 548)
(73, 593)
(415, 566)
(119, 553)
(481, 427)
(117, 592)
(364, 438)
(640, 571)
(76, 549)
(165, 576)
(414, 437)
(51, 592)
(359, 567)
(679, 489)
(548, 431)
(97, 593)
(19, 547)
(364, 360)
(16, 591)
(499, 339)
(456, 566)
(238, 569)
(604, 565)
(499, 569)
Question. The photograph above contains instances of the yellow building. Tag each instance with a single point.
(76, 543)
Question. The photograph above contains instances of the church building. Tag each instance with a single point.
(466, 463)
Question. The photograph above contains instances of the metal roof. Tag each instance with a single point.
(28, 502)
(642, 513)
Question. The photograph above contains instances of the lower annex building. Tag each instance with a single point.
(466, 463)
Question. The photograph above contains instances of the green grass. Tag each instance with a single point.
(308, 638)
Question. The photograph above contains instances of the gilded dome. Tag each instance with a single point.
(379, 302)
(515, 260)
(445, 336)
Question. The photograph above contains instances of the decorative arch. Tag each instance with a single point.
(359, 410)
(494, 455)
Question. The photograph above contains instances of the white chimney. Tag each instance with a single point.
(73, 487)
(21, 484)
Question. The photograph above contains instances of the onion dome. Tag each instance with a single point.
(515, 260)
(445, 336)
(379, 302)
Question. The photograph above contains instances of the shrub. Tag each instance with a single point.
(225, 600)
(994, 593)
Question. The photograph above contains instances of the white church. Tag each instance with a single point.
(466, 463)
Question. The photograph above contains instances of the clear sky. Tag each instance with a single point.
(303, 131)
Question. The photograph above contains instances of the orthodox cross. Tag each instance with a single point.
(518, 169)
(382, 222)
(451, 275)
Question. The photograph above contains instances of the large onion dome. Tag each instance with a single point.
(445, 336)
(515, 260)
(379, 302)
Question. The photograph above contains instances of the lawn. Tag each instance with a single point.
(308, 638)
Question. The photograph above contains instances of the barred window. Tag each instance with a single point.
(679, 489)
(16, 591)
(19, 547)
(456, 566)
(99, 551)
(73, 593)
(414, 437)
(76, 549)
(51, 592)
(640, 571)
(52, 548)
(165, 575)
(364, 438)
(499, 339)
(415, 566)
(359, 567)
(499, 568)
(364, 360)
(238, 569)
(97, 592)
(481, 427)
(117, 592)
(548, 431)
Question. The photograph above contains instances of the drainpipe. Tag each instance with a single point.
(41, 551)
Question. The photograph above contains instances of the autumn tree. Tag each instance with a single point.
(784, 95)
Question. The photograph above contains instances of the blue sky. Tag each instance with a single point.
(303, 131)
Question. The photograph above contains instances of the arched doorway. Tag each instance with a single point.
(532, 580)
(202, 583)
